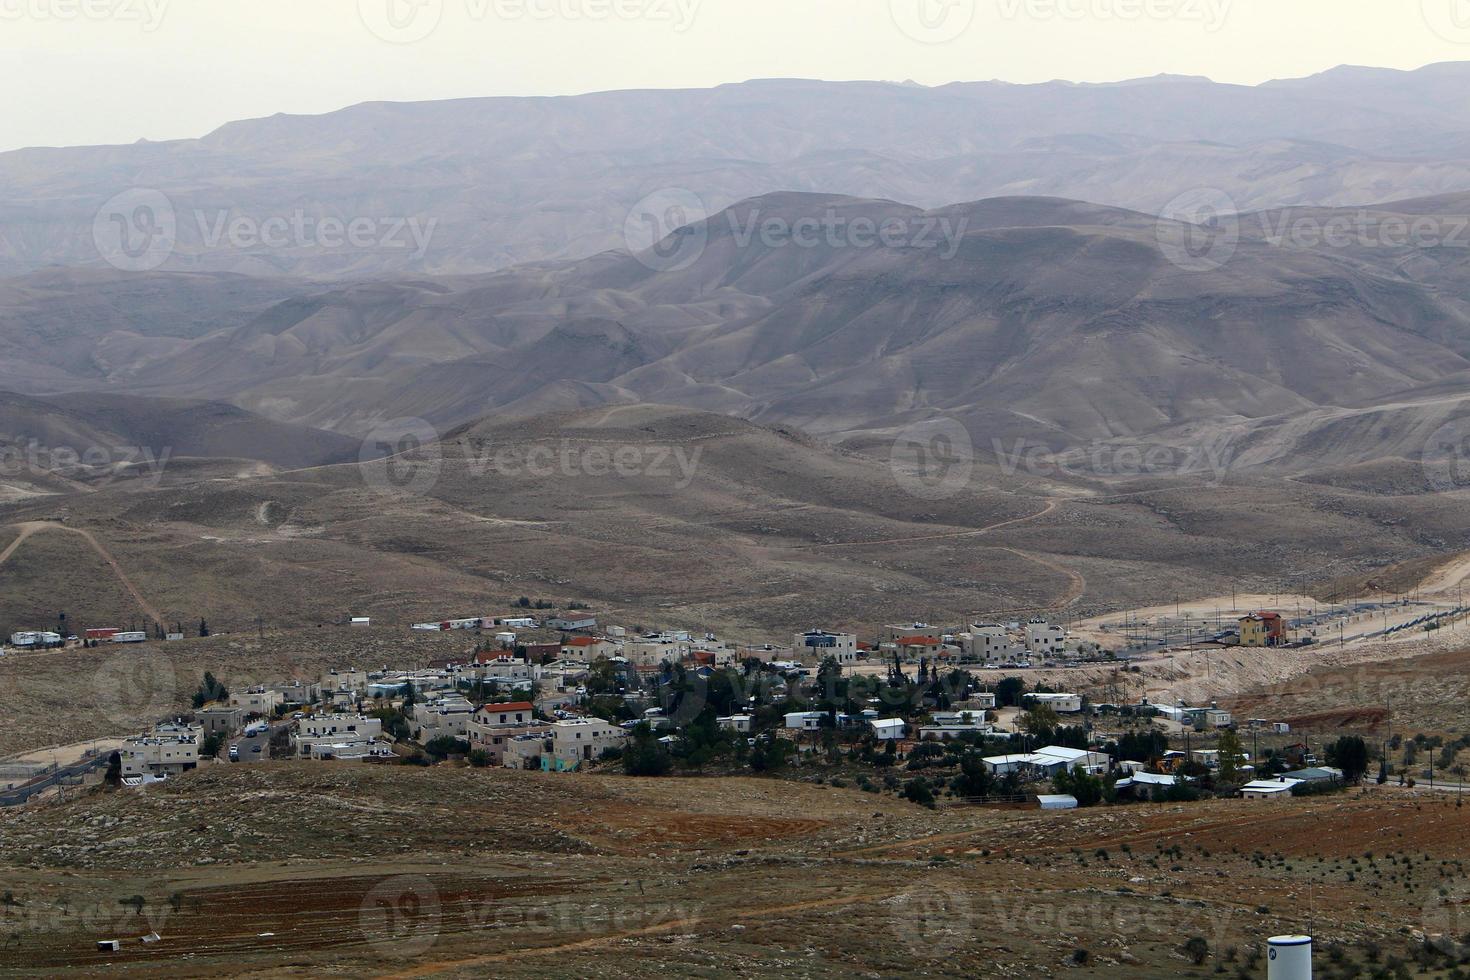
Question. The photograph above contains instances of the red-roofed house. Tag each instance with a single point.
(588, 648)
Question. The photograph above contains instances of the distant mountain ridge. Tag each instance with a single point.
(493, 183)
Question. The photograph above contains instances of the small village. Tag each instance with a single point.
(935, 715)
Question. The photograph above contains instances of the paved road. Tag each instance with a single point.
(246, 745)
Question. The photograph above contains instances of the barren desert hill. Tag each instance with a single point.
(498, 182)
(664, 516)
(97, 430)
(1052, 321)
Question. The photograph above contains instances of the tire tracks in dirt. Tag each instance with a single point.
(29, 529)
(595, 942)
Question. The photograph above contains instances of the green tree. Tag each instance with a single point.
(442, 747)
(209, 690)
(1009, 691)
(1350, 754)
(917, 791)
(1039, 719)
(1232, 754)
(975, 778)
(645, 755)
(770, 754)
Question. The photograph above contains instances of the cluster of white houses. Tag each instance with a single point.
(537, 687)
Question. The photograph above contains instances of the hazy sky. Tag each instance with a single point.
(112, 71)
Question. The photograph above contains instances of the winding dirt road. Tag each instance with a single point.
(30, 528)
(1051, 505)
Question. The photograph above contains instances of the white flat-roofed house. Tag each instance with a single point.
(570, 624)
(256, 700)
(821, 644)
(167, 751)
(736, 723)
(990, 643)
(1045, 639)
(1001, 765)
(1062, 704)
(526, 750)
(493, 726)
(580, 740)
(805, 721)
(34, 638)
(953, 724)
(655, 648)
(446, 716)
(1269, 789)
(344, 679)
(333, 729)
(888, 729)
(348, 748)
(1055, 757)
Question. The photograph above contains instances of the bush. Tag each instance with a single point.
(918, 791)
(645, 755)
(443, 746)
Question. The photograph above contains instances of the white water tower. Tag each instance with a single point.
(1289, 958)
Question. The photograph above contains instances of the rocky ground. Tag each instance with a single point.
(303, 870)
